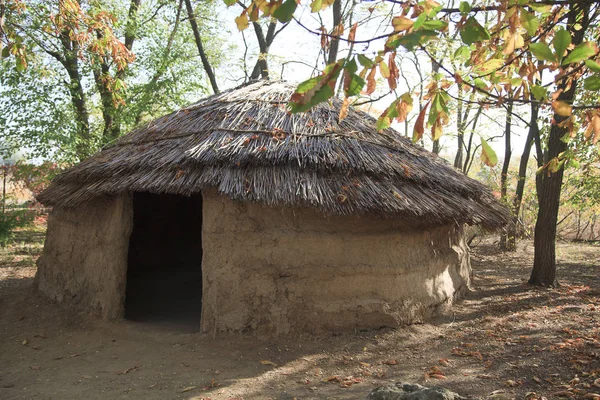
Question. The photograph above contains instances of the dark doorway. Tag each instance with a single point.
(164, 274)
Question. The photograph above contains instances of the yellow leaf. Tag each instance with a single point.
(402, 23)
(344, 109)
(242, 21)
(383, 68)
(561, 108)
(436, 130)
(268, 362)
(510, 45)
(489, 158)
(596, 128)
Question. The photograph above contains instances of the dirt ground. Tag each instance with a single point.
(506, 340)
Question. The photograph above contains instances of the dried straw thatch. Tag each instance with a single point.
(245, 143)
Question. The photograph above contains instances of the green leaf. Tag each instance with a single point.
(385, 120)
(365, 61)
(561, 41)
(316, 6)
(351, 66)
(5, 52)
(316, 90)
(539, 92)
(420, 21)
(21, 65)
(480, 83)
(464, 7)
(582, 52)
(229, 3)
(592, 83)
(530, 22)
(473, 32)
(593, 65)
(412, 40)
(462, 52)
(488, 155)
(542, 51)
(355, 85)
(541, 8)
(573, 163)
(434, 11)
(285, 11)
(435, 25)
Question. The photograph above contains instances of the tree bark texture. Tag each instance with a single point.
(533, 132)
(549, 183)
(261, 68)
(505, 166)
(335, 40)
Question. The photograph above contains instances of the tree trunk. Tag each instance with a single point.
(435, 68)
(549, 183)
(505, 166)
(147, 93)
(110, 111)
(261, 68)
(533, 132)
(335, 40)
(78, 99)
(205, 63)
(468, 156)
(460, 135)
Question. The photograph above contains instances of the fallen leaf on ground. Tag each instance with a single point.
(187, 389)
(268, 362)
(128, 370)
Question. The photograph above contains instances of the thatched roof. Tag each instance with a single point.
(246, 144)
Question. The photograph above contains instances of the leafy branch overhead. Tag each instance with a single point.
(501, 61)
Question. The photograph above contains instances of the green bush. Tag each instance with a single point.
(12, 219)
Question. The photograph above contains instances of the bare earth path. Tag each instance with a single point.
(506, 340)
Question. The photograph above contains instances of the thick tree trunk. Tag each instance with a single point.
(549, 183)
(505, 166)
(205, 63)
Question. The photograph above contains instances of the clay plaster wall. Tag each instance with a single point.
(278, 271)
(84, 262)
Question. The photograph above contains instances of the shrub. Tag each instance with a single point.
(12, 219)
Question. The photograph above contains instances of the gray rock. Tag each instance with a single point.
(405, 391)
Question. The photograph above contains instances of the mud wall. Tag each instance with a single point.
(84, 262)
(279, 271)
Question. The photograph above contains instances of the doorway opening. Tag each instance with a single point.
(164, 272)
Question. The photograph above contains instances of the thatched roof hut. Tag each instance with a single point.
(280, 197)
